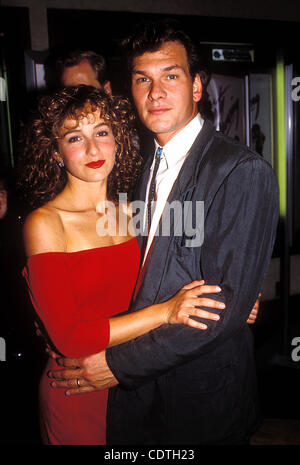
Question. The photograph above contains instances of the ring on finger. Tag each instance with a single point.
(78, 382)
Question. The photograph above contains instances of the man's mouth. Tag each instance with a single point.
(158, 111)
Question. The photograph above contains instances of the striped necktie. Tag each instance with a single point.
(153, 185)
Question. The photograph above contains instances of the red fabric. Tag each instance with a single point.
(75, 294)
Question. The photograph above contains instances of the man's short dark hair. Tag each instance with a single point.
(75, 57)
(149, 36)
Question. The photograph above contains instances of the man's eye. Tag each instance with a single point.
(142, 80)
(172, 76)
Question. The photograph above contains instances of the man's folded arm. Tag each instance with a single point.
(240, 230)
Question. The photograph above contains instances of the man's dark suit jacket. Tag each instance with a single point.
(181, 385)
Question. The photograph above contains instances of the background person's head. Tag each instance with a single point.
(3, 195)
(9, 207)
(83, 67)
(41, 177)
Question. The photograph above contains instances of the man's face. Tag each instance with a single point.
(163, 91)
(82, 73)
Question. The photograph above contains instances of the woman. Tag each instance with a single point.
(78, 152)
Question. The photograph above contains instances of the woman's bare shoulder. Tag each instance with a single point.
(43, 231)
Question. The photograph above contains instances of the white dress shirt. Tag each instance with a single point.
(173, 157)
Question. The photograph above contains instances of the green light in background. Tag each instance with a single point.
(280, 133)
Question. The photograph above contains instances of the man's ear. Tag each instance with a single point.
(107, 87)
(197, 88)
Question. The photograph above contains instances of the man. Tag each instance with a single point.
(178, 385)
(83, 67)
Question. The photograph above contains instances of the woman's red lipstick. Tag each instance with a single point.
(95, 164)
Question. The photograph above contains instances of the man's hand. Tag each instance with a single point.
(86, 374)
(254, 312)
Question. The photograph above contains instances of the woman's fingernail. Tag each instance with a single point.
(218, 288)
(216, 317)
(222, 305)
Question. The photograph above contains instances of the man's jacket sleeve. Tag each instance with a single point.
(239, 234)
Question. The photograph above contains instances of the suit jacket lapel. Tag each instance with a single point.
(188, 174)
(140, 195)
(185, 182)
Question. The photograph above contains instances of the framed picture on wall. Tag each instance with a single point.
(260, 115)
(34, 68)
(228, 98)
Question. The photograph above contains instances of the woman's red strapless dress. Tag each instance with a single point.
(75, 294)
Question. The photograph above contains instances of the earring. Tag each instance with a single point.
(61, 163)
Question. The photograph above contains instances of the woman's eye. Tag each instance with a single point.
(102, 133)
(73, 139)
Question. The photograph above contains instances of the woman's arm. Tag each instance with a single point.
(52, 296)
(176, 310)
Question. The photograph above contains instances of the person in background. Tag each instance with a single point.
(12, 256)
(83, 67)
(76, 67)
(3, 198)
(16, 326)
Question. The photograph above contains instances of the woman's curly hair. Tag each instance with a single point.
(40, 176)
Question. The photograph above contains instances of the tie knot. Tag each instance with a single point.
(158, 152)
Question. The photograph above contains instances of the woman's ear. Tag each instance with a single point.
(57, 157)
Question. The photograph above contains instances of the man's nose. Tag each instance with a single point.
(156, 91)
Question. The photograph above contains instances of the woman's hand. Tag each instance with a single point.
(254, 312)
(184, 304)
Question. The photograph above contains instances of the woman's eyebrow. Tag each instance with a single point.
(71, 131)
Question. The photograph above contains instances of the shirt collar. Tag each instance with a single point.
(178, 147)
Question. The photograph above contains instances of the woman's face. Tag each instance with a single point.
(87, 148)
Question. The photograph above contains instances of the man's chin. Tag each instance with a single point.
(158, 127)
